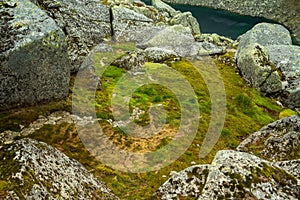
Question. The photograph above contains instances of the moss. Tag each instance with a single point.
(287, 113)
(247, 111)
(8, 168)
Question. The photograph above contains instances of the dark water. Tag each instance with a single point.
(219, 21)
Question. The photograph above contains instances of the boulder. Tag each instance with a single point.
(186, 183)
(256, 68)
(177, 38)
(163, 7)
(265, 34)
(129, 25)
(233, 175)
(291, 166)
(131, 61)
(287, 60)
(155, 54)
(206, 48)
(85, 22)
(277, 141)
(33, 59)
(266, 57)
(186, 19)
(37, 171)
(180, 39)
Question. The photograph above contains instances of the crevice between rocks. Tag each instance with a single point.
(111, 19)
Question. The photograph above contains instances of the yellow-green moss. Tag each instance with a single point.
(287, 113)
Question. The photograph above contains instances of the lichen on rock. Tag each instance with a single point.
(232, 175)
(35, 170)
(34, 62)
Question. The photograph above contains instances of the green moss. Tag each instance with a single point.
(287, 113)
(247, 111)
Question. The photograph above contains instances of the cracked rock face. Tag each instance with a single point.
(85, 23)
(268, 61)
(33, 58)
(256, 68)
(37, 170)
(232, 175)
(277, 141)
(287, 60)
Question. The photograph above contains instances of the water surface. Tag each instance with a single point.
(219, 21)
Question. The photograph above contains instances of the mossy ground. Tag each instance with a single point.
(247, 111)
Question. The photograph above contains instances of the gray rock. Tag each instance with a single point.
(186, 19)
(163, 7)
(256, 68)
(187, 183)
(131, 61)
(265, 34)
(33, 59)
(291, 95)
(277, 141)
(266, 57)
(206, 48)
(291, 166)
(246, 175)
(215, 39)
(85, 22)
(287, 60)
(42, 171)
(233, 175)
(129, 25)
(155, 54)
(177, 38)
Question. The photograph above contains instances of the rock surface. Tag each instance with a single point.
(33, 59)
(140, 23)
(155, 54)
(85, 23)
(268, 61)
(36, 170)
(129, 25)
(287, 60)
(232, 175)
(277, 141)
(265, 34)
(255, 67)
(179, 39)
